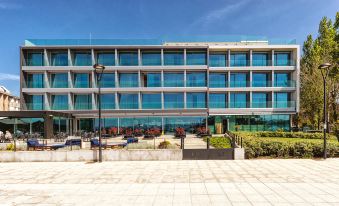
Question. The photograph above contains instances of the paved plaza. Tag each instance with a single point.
(245, 182)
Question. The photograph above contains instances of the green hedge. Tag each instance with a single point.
(220, 142)
(301, 135)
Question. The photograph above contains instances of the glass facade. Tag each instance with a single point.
(217, 59)
(174, 80)
(282, 100)
(196, 79)
(107, 101)
(218, 80)
(59, 59)
(82, 101)
(152, 80)
(151, 58)
(217, 100)
(282, 59)
(35, 80)
(260, 80)
(259, 122)
(174, 100)
(282, 80)
(106, 58)
(239, 60)
(107, 80)
(238, 100)
(173, 58)
(196, 100)
(35, 102)
(35, 58)
(128, 58)
(196, 57)
(238, 80)
(260, 100)
(82, 59)
(128, 80)
(188, 123)
(60, 102)
(151, 101)
(59, 80)
(81, 80)
(128, 101)
(259, 59)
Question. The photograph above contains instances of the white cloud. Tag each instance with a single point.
(4, 76)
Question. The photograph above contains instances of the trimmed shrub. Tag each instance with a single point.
(219, 142)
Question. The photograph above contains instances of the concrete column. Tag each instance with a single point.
(116, 79)
(251, 57)
(228, 99)
(250, 99)
(272, 58)
(93, 80)
(297, 78)
(70, 80)
(272, 78)
(116, 100)
(228, 58)
(250, 79)
(93, 57)
(116, 57)
(70, 101)
(139, 100)
(228, 79)
(94, 104)
(272, 97)
(162, 101)
(46, 59)
(70, 59)
(162, 78)
(139, 57)
(139, 78)
(185, 78)
(208, 57)
(46, 102)
(185, 100)
(48, 126)
(162, 57)
(46, 80)
(185, 57)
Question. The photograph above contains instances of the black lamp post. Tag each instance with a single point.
(324, 68)
(99, 69)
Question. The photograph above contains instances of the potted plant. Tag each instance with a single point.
(156, 132)
(149, 134)
(138, 132)
(128, 133)
(180, 132)
(202, 131)
(121, 131)
(113, 131)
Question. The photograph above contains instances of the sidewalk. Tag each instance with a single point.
(242, 182)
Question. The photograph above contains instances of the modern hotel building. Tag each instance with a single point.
(226, 84)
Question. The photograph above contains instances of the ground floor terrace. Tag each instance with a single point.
(213, 182)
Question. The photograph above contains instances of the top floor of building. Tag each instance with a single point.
(214, 51)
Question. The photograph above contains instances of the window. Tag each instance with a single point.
(259, 59)
(59, 80)
(282, 100)
(282, 80)
(82, 102)
(35, 102)
(238, 80)
(238, 100)
(173, 100)
(35, 80)
(196, 100)
(59, 59)
(188, 123)
(128, 101)
(173, 58)
(81, 80)
(106, 58)
(128, 58)
(35, 58)
(217, 100)
(217, 59)
(107, 80)
(217, 80)
(174, 80)
(196, 79)
(195, 57)
(239, 60)
(151, 101)
(151, 58)
(82, 59)
(259, 100)
(260, 80)
(60, 102)
(152, 80)
(107, 101)
(282, 59)
(128, 80)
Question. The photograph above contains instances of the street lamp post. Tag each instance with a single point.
(324, 68)
(99, 69)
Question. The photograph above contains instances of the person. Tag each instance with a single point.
(8, 136)
(1, 136)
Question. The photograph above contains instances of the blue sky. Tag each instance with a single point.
(22, 19)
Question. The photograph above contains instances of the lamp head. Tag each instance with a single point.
(324, 66)
(99, 68)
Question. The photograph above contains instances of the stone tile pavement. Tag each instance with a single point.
(242, 182)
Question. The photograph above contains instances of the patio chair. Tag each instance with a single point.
(132, 140)
(69, 142)
(35, 145)
(95, 143)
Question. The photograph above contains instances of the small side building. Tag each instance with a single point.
(8, 102)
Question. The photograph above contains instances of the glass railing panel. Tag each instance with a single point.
(110, 105)
(174, 83)
(174, 105)
(35, 106)
(196, 83)
(217, 105)
(261, 104)
(82, 106)
(240, 104)
(218, 84)
(287, 62)
(240, 63)
(284, 104)
(239, 83)
(196, 104)
(289, 83)
(60, 106)
(151, 105)
(133, 105)
(261, 83)
(261, 62)
(128, 84)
